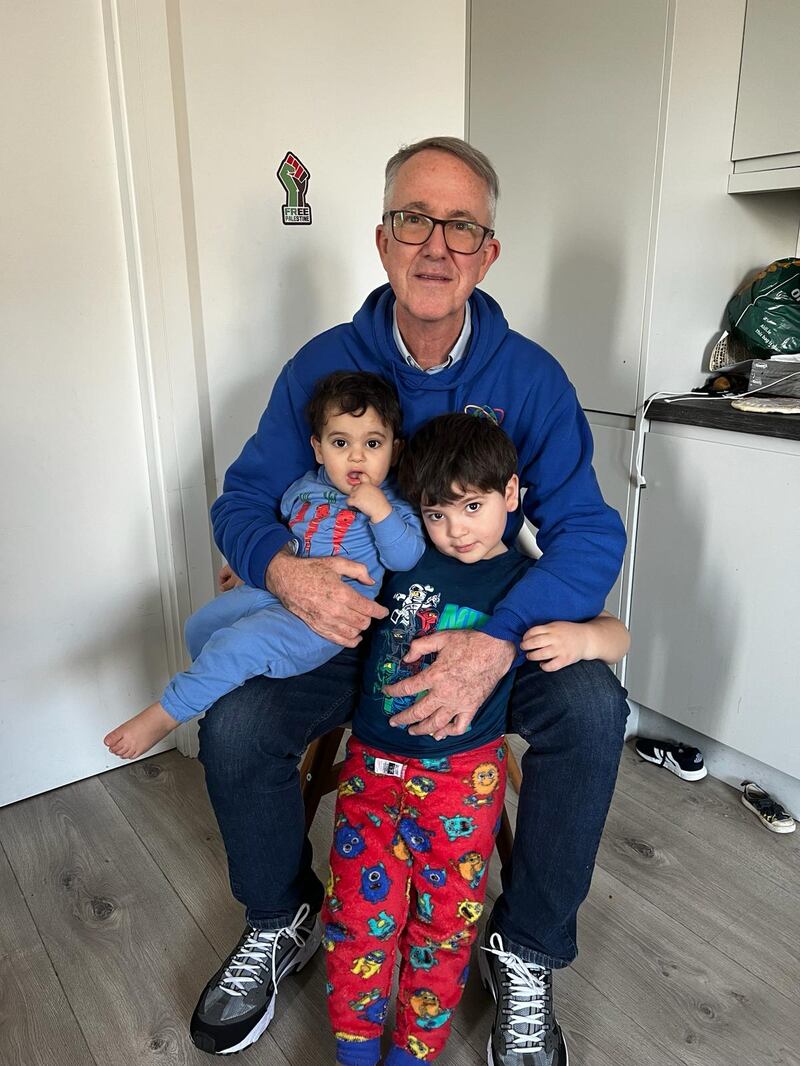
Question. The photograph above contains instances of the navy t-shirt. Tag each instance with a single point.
(440, 592)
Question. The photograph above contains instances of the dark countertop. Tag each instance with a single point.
(718, 414)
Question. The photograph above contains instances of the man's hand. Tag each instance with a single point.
(370, 500)
(227, 579)
(468, 666)
(313, 590)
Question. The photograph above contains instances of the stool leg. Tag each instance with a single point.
(513, 769)
(315, 771)
(505, 839)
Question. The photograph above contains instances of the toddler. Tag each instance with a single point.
(346, 507)
(415, 817)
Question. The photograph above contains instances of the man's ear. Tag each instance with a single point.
(317, 446)
(489, 254)
(512, 493)
(381, 240)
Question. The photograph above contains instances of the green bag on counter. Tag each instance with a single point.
(765, 313)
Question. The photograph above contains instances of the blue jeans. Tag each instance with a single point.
(574, 720)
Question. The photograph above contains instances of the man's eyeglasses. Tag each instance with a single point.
(460, 235)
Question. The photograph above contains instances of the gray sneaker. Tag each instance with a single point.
(238, 1002)
(525, 1031)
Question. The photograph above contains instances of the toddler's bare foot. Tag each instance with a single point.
(140, 733)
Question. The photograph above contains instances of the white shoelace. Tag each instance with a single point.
(259, 950)
(525, 1000)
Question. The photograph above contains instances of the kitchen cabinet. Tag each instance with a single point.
(610, 123)
(716, 586)
(766, 143)
(569, 115)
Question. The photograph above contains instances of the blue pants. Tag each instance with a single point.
(244, 633)
(573, 719)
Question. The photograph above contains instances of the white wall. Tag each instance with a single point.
(344, 102)
(204, 103)
(707, 241)
(612, 123)
(621, 245)
(723, 762)
(565, 100)
(82, 642)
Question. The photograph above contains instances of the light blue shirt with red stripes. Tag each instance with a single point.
(323, 525)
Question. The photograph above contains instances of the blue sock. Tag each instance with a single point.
(398, 1056)
(358, 1052)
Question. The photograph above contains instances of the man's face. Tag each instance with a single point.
(472, 527)
(432, 283)
(355, 448)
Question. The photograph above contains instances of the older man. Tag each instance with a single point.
(447, 347)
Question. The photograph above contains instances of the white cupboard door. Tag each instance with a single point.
(713, 620)
(82, 644)
(565, 100)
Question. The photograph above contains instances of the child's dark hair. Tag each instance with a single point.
(351, 392)
(461, 451)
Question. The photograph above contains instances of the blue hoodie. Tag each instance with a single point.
(582, 539)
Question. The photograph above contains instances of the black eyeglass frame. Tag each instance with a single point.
(443, 222)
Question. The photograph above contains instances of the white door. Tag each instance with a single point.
(83, 639)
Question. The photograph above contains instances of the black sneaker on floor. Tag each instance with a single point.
(525, 1031)
(238, 1002)
(680, 759)
(769, 812)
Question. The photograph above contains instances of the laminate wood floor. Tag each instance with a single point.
(116, 910)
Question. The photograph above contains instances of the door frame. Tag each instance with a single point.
(148, 105)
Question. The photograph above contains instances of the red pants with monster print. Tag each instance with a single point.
(412, 842)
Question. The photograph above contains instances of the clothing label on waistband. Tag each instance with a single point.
(389, 768)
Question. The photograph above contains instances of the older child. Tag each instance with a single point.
(346, 507)
(415, 817)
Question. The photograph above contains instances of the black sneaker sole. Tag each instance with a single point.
(205, 1041)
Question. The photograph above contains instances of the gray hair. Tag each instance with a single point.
(474, 159)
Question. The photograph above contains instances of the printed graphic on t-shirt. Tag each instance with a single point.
(417, 613)
(337, 519)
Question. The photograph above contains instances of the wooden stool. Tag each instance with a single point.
(319, 775)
